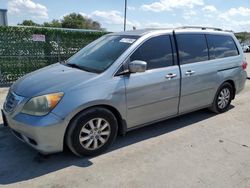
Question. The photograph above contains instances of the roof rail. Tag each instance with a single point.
(198, 27)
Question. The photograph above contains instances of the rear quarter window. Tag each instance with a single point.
(221, 46)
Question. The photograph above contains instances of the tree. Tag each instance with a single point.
(73, 20)
(243, 36)
(54, 23)
(28, 23)
(78, 21)
(96, 25)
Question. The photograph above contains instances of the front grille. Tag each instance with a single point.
(12, 100)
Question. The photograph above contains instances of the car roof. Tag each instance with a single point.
(141, 32)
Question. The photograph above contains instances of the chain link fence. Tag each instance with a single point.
(25, 49)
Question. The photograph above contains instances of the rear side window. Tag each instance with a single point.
(221, 46)
(157, 52)
(192, 48)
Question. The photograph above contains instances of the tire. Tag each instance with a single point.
(91, 132)
(224, 93)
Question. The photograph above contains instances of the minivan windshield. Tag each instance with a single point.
(102, 53)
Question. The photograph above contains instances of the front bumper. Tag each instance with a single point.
(45, 133)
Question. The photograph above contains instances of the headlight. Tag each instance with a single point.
(42, 105)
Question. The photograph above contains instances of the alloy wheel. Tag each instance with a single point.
(94, 134)
(223, 98)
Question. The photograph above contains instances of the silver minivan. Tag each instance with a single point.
(123, 81)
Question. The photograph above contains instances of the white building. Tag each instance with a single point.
(3, 17)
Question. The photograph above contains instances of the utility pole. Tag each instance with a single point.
(125, 15)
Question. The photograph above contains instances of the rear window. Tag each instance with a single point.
(221, 46)
(192, 48)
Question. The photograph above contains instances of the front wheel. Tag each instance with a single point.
(91, 132)
(223, 98)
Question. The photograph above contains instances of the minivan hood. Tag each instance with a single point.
(53, 78)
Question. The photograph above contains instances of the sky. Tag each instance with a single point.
(226, 14)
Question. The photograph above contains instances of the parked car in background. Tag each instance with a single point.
(123, 81)
(246, 48)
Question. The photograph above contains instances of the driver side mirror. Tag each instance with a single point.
(137, 66)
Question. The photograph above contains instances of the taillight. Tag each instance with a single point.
(244, 65)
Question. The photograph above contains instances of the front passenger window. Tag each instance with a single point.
(157, 52)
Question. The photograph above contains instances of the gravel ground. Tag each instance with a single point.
(3, 93)
(199, 149)
(248, 60)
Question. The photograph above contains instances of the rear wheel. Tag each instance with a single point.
(223, 98)
(91, 132)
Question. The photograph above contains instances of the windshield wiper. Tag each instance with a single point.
(74, 65)
(80, 67)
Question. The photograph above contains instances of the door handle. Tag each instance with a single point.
(190, 72)
(170, 76)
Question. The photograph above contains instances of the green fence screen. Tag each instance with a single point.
(25, 49)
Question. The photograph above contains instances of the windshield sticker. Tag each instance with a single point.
(127, 40)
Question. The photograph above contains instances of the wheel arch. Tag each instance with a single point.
(122, 125)
(233, 85)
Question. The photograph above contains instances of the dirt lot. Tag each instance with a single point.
(199, 149)
(248, 60)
